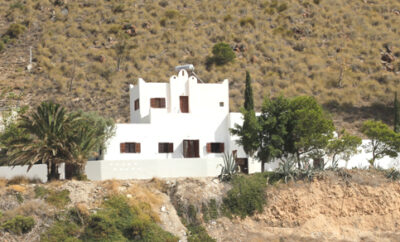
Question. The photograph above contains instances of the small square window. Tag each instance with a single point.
(221, 104)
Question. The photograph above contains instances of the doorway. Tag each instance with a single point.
(243, 164)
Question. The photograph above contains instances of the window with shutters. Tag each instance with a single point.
(215, 147)
(130, 147)
(158, 102)
(165, 147)
(137, 104)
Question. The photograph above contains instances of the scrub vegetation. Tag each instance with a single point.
(341, 52)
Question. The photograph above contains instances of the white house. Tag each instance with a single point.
(181, 126)
(176, 129)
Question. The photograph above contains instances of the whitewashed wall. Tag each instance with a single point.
(146, 169)
(37, 171)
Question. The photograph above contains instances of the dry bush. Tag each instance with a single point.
(30, 208)
(159, 184)
(112, 186)
(17, 180)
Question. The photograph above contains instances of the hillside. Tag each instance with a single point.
(353, 205)
(345, 53)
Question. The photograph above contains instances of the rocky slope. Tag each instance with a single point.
(342, 52)
(360, 206)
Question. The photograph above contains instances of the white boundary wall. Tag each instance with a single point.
(36, 171)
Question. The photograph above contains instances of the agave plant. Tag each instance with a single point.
(229, 168)
(287, 168)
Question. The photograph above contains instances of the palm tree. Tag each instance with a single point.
(46, 132)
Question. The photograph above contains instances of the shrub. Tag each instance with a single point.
(58, 199)
(222, 54)
(1, 46)
(247, 195)
(282, 7)
(118, 8)
(393, 174)
(40, 191)
(15, 30)
(101, 227)
(19, 224)
(61, 231)
(197, 233)
(247, 21)
(119, 221)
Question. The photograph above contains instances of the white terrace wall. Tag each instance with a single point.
(147, 169)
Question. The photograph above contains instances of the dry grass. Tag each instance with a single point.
(158, 184)
(17, 188)
(30, 208)
(112, 186)
(141, 195)
(3, 182)
(292, 48)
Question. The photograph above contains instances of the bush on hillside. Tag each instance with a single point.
(1, 46)
(58, 199)
(61, 231)
(15, 30)
(247, 195)
(117, 220)
(19, 225)
(222, 54)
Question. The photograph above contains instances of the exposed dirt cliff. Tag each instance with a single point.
(353, 206)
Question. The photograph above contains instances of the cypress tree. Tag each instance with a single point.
(248, 94)
(396, 114)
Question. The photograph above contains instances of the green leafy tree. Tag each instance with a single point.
(396, 114)
(273, 132)
(309, 128)
(383, 140)
(247, 132)
(222, 54)
(248, 94)
(343, 147)
(87, 140)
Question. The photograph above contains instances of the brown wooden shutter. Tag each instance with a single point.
(137, 147)
(152, 102)
(162, 102)
(122, 147)
(171, 147)
(196, 148)
(222, 147)
(160, 147)
(208, 147)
